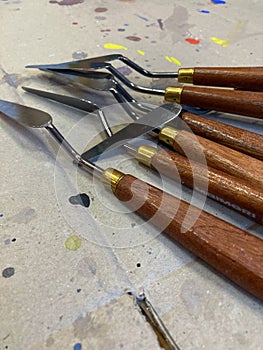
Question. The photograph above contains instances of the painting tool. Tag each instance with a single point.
(234, 252)
(236, 77)
(233, 137)
(165, 339)
(239, 139)
(248, 103)
(222, 187)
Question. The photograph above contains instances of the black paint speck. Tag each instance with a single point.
(14, 239)
(138, 265)
(8, 272)
(80, 199)
(78, 290)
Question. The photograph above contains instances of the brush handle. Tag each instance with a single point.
(236, 138)
(235, 253)
(226, 189)
(248, 103)
(217, 156)
(247, 78)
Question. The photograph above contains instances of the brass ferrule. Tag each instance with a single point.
(168, 135)
(173, 94)
(186, 75)
(111, 177)
(145, 153)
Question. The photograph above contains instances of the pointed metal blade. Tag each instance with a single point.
(155, 118)
(82, 104)
(24, 115)
(95, 63)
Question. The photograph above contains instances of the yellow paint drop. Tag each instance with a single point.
(174, 60)
(141, 52)
(73, 243)
(221, 42)
(111, 46)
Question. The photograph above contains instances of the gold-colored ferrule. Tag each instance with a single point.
(168, 135)
(145, 153)
(186, 75)
(111, 177)
(173, 94)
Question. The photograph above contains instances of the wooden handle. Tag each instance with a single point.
(236, 138)
(217, 156)
(226, 189)
(248, 103)
(234, 252)
(248, 78)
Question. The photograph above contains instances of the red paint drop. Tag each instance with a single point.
(192, 41)
(101, 9)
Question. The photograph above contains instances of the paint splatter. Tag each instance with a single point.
(80, 199)
(121, 30)
(204, 11)
(73, 243)
(173, 60)
(218, 2)
(66, 2)
(140, 52)
(100, 18)
(133, 38)
(111, 46)
(192, 41)
(8, 272)
(78, 55)
(221, 42)
(101, 9)
(77, 346)
(7, 241)
(141, 17)
(1, 215)
(160, 22)
(105, 30)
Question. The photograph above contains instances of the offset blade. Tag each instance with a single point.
(148, 122)
(24, 115)
(94, 63)
(82, 104)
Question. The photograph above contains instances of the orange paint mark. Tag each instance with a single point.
(192, 41)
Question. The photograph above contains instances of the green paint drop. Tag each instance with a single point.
(73, 243)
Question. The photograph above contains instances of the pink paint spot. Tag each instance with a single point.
(192, 41)
(101, 9)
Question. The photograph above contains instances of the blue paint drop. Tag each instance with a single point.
(204, 11)
(77, 346)
(218, 2)
(1, 215)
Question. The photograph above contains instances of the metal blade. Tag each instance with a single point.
(148, 122)
(82, 104)
(24, 115)
(97, 62)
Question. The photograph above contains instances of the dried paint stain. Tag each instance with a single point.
(73, 243)
(8, 272)
(111, 46)
(133, 38)
(192, 41)
(80, 199)
(77, 346)
(66, 2)
(101, 9)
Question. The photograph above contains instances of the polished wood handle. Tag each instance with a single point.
(226, 189)
(248, 78)
(232, 251)
(236, 138)
(217, 156)
(248, 103)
